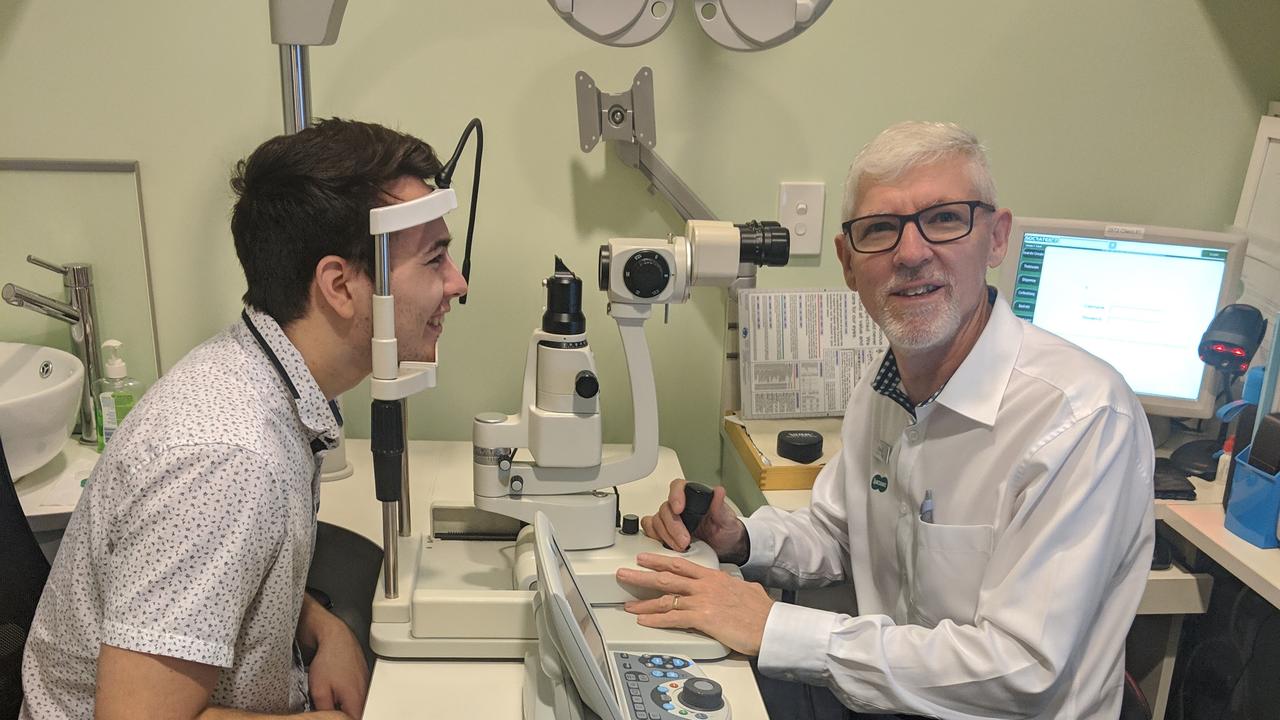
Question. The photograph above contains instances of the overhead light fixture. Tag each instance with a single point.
(756, 24)
(618, 23)
(745, 25)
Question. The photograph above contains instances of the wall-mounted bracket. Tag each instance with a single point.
(625, 116)
(626, 121)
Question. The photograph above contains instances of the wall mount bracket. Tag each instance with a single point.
(626, 120)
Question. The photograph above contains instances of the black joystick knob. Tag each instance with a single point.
(702, 694)
(630, 524)
(646, 274)
(697, 500)
(586, 385)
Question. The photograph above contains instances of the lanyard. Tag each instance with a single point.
(317, 445)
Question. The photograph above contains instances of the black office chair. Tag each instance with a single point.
(1133, 705)
(343, 577)
(24, 575)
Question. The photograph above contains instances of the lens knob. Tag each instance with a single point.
(586, 385)
(702, 694)
(630, 524)
(602, 267)
(646, 274)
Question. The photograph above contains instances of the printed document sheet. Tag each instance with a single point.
(802, 351)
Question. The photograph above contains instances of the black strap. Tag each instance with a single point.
(271, 355)
(318, 445)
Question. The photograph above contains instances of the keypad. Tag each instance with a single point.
(652, 685)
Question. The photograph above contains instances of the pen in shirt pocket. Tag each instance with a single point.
(926, 508)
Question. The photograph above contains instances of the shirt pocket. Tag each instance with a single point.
(947, 569)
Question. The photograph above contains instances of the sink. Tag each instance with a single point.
(39, 398)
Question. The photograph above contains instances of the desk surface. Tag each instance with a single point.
(440, 472)
(1202, 525)
(50, 493)
(405, 689)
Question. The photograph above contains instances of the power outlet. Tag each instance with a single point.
(800, 208)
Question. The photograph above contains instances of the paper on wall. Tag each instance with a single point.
(802, 351)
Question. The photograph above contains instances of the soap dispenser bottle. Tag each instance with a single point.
(115, 394)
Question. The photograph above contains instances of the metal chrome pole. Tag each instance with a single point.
(406, 521)
(390, 560)
(390, 510)
(295, 87)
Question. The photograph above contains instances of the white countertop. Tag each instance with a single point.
(50, 493)
(1202, 525)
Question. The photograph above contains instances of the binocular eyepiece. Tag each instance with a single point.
(764, 243)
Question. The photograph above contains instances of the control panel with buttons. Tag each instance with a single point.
(663, 687)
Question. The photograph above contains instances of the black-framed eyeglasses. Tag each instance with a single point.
(938, 224)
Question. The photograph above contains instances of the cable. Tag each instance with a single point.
(617, 508)
(1223, 426)
(445, 179)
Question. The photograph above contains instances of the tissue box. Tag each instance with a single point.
(1254, 506)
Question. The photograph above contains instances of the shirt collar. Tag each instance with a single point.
(319, 415)
(977, 387)
(888, 382)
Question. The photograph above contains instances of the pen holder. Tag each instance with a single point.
(1254, 507)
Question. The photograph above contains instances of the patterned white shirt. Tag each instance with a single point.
(194, 534)
(1014, 600)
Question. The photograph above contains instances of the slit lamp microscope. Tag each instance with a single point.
(471, 592)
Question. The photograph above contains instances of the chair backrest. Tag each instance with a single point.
(25, 572)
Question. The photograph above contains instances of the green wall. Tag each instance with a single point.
(1141, 111)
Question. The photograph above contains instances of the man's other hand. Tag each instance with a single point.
(721, 528)
(714, 603)
(338, 675)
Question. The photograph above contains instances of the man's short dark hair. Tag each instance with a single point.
(301, 197)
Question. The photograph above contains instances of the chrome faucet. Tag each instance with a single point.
(81, 315)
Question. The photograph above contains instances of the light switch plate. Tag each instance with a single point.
(800, 207)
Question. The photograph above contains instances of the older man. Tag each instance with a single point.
(992, 503)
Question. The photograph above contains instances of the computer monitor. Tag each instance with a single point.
(572, 624)
(1137, 296)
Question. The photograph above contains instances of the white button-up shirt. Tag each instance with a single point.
(194, 534)
(1015, 601)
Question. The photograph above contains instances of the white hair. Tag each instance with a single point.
(908, 145)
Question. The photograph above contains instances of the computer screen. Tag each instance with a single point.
(1139, 297)
(573, 624)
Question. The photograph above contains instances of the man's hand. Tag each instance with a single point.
(721, 528)
(338, 674)
(730, 610)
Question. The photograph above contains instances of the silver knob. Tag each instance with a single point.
(517, 484)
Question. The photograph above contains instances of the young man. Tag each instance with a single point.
(1009, 594)
(178, 591)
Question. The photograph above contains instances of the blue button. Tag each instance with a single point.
(677, 662)
(658, 659)
(656, 673)
(662, 689)
(668, 706)
(672, 674)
